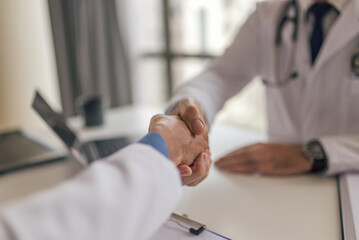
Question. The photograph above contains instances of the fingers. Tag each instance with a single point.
(237, 165)
(243, 160)
(242, 170)
(246, 149)
(243, 156)
(266, 159)
(188, 151)
(200, 170)
(183, 146)
(191, 112)
(226, 163)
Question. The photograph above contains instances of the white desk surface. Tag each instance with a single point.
(237, 206)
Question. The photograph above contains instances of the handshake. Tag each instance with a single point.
(186, 134)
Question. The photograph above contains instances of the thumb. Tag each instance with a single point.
(184, 170)
(192, 115)
(197, 126)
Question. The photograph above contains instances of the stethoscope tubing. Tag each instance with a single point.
(291, 75)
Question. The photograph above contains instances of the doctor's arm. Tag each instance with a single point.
(198, 100)
(126, 196)
(330, 155)
(225, 77)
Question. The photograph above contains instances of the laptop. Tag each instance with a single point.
(83, 152)
(34, 152)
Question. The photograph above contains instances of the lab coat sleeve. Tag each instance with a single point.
(127, 196)
(342, 153)
(227, 75)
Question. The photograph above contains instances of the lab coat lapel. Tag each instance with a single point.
(344, 30)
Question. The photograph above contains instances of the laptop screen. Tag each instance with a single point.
(55, 120)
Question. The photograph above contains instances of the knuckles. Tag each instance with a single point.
(156, 118)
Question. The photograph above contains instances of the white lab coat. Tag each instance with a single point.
(128, 196)
(323, 103)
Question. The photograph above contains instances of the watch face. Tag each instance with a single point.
(317, 151)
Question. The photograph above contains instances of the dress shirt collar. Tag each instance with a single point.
(338, 4)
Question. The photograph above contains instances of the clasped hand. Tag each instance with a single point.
(267, 159)
(190, 111)
(189, 152)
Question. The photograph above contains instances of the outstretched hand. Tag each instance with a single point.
(190, 111)
(184, 148)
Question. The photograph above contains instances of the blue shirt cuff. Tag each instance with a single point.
(156, 141)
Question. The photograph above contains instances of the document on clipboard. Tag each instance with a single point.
(180, 227)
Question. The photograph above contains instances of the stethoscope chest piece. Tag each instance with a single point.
(355, 64)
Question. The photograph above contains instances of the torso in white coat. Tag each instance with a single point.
(322, 103)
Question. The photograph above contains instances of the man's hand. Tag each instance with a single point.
(267, 159)
(200, 169)
(191, 112)
(183, 147)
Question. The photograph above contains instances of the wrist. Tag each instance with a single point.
(306, 163)
(156, 141)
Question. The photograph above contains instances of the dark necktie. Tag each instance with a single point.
(318, 11)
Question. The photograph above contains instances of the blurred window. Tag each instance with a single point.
(180, 37)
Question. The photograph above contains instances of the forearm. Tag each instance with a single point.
(206, 90)
(123, 197)
(226, 75)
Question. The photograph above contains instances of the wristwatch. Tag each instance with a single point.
(314, 151)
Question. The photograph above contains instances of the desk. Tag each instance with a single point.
(240, 207)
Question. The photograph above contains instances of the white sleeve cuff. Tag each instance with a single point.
(342, 153)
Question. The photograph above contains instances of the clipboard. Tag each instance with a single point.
(349, 205)
(181, 227)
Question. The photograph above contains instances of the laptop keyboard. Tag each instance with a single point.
(106, 147)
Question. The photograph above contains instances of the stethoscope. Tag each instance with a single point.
(291, 15)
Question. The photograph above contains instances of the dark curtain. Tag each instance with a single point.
(90, 53)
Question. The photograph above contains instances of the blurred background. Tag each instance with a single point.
(127, 51)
